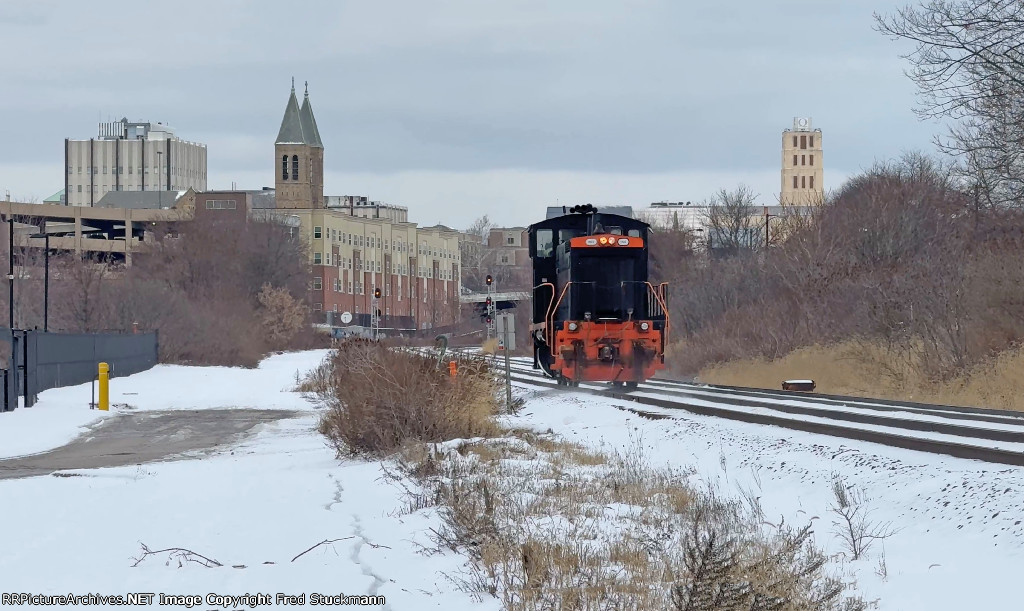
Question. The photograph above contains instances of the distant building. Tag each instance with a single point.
(361, 206)
(802, 165)
(674, 215)
(357, 245)
(627, 211)
(131, 156)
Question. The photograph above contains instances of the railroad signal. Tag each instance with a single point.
(376, 293)
(488, 302)
(489, 280)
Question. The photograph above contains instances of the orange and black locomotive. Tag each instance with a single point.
(596, 315)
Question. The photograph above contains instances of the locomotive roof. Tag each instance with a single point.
(580, 221)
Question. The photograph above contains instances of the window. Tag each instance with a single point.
(803, 159)
(812, 141)
(221, 204)
(79, 188)
(317, 233)
(510, 241)
(318, 283)
(811, 159)
(812, 182)
(120, 169)
(317, 258)
(284, 167)
(803, 182)
(794, 159)
(295, 167)
(794, 141)
(794, 182)
(70, 168)
(803, 142)
(130, 168)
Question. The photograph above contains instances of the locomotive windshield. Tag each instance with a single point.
(606, 284)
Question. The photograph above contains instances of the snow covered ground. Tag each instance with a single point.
(255, 506)
(252, 507)
(959, 540)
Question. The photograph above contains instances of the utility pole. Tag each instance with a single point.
(10, 274)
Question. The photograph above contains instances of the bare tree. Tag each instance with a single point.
(730, 221)
(968, 65)
(81, 296)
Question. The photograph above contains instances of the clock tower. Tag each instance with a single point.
(802, 165)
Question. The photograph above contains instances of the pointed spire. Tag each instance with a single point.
(309, 128)
(291, 125)
(293, 84)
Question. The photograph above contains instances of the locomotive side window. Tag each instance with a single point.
(615, 230)
(545, 243)
(634, 233)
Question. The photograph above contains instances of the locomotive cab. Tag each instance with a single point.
(596, 316)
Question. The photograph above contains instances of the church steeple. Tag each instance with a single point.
(299, 158)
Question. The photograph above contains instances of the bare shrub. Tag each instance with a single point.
(853, 524)
(383, 398)
(547, 530)
(282, 315)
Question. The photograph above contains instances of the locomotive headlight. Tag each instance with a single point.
(644, 326)
(573, 326)
(603, 240)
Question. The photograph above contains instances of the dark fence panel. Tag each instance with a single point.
(53, 360)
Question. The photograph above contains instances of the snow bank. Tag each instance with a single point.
(61, 414)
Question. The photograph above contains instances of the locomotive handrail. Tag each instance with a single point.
(664, 309)
(550, 301)
(549, 320)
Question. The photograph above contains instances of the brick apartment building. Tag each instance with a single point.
(356, 245)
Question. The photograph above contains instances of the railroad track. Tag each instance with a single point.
(993, 436)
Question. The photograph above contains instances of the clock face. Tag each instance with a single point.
(802, 122)
(346, 317)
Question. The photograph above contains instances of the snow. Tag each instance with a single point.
(61, 414)
(257, 504)
(959, 539)
(252, 507)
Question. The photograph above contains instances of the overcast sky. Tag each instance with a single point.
(457, 108)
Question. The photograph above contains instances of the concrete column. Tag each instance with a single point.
(78, 234)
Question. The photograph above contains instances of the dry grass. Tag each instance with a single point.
(869, 370)
(552, 525)
(380, 399)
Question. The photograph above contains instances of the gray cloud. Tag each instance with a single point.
(457, 87)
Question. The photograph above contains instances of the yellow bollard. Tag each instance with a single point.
(104, 376)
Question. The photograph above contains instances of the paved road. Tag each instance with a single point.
(131, 439)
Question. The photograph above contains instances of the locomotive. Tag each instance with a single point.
(596, 316)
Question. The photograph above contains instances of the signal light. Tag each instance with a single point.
(376, 293)
(489, 280)
(488, 320)
(603, 240)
